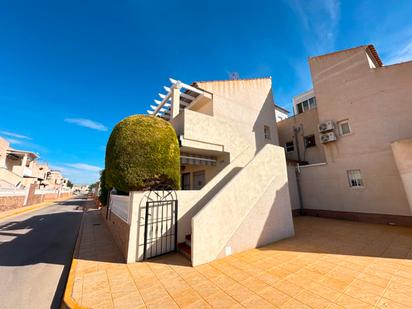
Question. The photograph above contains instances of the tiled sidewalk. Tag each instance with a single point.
(329, 264)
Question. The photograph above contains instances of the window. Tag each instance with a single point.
(344, 128)
(306, 105)
(312, 103)
(310, 141)
(355, 178)
(289, 147)
(198, 180)
(267, 132)
(185, 181)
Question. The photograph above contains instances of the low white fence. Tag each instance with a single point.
(12, 192)
(119, 205)
(45, 191)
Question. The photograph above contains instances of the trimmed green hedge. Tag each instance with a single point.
(142, 152)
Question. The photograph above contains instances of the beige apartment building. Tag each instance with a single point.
(54, 180)
(234, 193)
(351, 138)
(24, 181)
(17, 167)
(20, 169)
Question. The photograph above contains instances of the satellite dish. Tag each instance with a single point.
(234, 75)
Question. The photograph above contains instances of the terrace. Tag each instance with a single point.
(328, 264)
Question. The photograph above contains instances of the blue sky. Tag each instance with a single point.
(70, 70)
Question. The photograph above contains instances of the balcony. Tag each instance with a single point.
(198, 131)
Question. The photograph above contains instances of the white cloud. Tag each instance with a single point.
(23, 142)
(16, 135)
(320, 19)
(14, 141)
(79, 173)
(401, 55)
(393, 45)
(84, 167)
(87, 123)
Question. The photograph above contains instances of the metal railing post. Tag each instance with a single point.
(145, 230)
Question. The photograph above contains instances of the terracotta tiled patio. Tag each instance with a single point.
(328, 264)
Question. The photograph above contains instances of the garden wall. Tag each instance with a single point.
(17, 198)
(11, 202)
(120, 231)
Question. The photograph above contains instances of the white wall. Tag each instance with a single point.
(119, 205)
(402, 152)
(280, 115)
(190, 202)
(247, 105)
(253, 209)
(293, 187)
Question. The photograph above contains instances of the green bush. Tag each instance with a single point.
(104, 190)
(142, 153)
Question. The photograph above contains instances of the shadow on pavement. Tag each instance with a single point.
(47, 238)
(41, 238)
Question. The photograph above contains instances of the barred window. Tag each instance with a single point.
(310, 141)
(344, 128)
(289, 146)
(267, 132)
(355, 178)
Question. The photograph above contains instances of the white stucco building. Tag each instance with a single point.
(234, 178)
(304, 102)
(281, 113)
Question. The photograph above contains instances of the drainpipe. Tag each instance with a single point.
(301, 210)
(296, 130)
(295, 134)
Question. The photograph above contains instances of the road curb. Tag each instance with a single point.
(24, 209)
(68, 302)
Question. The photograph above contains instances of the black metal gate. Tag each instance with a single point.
(160, 230)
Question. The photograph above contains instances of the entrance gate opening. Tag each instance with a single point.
(160, 230)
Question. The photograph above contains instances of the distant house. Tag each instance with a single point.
(281, 113)
(20, 168)
(54, 179)
(16, 166)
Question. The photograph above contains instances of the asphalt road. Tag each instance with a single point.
(36, 250)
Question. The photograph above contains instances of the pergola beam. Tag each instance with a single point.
(172, 102)
(186, 86)
(165, 99)
(159, 102)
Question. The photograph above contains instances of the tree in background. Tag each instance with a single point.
(142, 153)
(93, 185)
(104, 190)
(69, 184)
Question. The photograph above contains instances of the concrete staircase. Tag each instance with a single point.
(185, 248)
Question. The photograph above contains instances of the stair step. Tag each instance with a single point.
(188, 240)
(185, 250)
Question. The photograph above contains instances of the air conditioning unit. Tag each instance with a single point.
(326, 126)
(327, 137)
